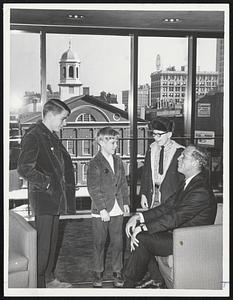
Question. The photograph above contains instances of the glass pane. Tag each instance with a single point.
(100, 66)
(24, 95)
(24, 99)
(24, 72)
(162, 81)
(209, 105)
(89, 72)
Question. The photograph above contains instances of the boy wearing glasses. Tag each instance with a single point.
(108, 189)
(160, 178)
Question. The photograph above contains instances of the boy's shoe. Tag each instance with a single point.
(98, 280)
(118, 280)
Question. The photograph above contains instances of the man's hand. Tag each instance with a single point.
(134, 241)
(144, 203)
(104, 215)
(131, 224)
(126, 209)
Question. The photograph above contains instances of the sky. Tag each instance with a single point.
(105, 60)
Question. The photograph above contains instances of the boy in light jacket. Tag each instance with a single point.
(107, 186)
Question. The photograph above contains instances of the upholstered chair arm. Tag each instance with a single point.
(23, 241)
(197, 257)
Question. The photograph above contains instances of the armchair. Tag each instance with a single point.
(197, 257)
(22, 271)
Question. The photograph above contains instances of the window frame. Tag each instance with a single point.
(134, 34)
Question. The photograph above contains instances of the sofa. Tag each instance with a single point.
(197, 259)
(22, 267)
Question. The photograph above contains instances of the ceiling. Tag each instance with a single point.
(191, 21)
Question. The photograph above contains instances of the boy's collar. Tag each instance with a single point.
(106, 155)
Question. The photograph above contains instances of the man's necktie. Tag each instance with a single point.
(161, 160)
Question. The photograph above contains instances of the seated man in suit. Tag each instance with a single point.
(151, 231)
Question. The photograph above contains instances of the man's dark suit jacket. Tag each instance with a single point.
(39, 165)
(194, 206)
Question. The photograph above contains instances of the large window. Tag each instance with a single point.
(94, 66)
(92, 61)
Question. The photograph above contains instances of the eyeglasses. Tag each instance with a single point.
(158, 134)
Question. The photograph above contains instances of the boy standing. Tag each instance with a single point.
(108, 189)
(47, 166)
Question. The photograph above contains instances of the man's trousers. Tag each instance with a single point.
(150, 245)
(47, 237)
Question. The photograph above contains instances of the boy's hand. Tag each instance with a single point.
(144, 203)
(126, 209)
(104, 215)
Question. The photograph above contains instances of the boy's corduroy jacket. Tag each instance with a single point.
(39, 165)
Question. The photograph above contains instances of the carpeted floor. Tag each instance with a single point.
(74, 263)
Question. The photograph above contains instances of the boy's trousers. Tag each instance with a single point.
(100, 232)
(47, 238)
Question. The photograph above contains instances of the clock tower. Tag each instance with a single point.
(70, 84)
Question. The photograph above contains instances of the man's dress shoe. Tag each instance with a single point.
(150, 284)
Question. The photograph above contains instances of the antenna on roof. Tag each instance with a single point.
(158, 62)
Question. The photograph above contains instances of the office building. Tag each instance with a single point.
(169, 86)
(144, 99)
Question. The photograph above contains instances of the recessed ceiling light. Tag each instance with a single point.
(172, 20)
(75, 17)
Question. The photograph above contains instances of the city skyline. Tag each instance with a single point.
(105, 60)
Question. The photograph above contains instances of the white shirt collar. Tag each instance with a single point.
(188, 180)
(168, 144)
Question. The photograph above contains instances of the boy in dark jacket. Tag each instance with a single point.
(47, 166)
